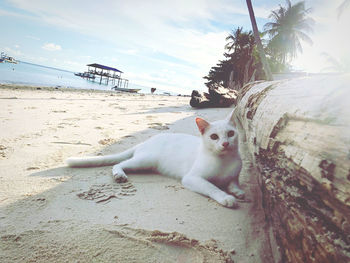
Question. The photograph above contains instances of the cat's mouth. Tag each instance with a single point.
(225, 150)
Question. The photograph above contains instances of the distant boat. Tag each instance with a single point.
(125, 89)
(85, 75)
(11, 60)
(6, 58)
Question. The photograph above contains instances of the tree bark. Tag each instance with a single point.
(258, 42)
(298, 132)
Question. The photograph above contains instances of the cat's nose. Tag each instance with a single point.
(225, 144)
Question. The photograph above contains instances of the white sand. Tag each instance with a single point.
(51, 213)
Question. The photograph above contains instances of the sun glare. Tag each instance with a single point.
(329, 52)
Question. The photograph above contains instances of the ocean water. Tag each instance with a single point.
(36, 75)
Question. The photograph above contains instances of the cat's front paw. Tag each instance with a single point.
(228, 201)
(239, 193)
(236, 191)
(120, 177)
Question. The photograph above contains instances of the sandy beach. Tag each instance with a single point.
(51, 213)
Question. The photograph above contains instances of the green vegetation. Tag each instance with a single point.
(281, 44)
(289, 25)
(241, 65)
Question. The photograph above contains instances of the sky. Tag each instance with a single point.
(170, 45)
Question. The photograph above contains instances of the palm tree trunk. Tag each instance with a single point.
(258, 41)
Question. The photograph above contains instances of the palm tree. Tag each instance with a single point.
(290, 25)
(245, 65)
(241, 65)
(258, 41)
(239, 40)
(335, 65)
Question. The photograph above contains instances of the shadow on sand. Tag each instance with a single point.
(87, 217)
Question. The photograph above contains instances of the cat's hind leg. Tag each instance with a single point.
(134, 164)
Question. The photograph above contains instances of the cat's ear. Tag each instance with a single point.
(202, 125)
(231, 118)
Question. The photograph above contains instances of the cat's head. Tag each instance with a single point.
(220, 137)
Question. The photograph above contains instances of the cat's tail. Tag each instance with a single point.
(95, 161)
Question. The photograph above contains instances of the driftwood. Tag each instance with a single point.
(218, 96)
(298, 132)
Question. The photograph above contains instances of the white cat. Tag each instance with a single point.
(205, 165)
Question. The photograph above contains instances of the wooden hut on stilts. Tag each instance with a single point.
(107, 75)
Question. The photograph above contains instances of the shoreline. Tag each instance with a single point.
(29, 74)
(45, 207)
(73, 89)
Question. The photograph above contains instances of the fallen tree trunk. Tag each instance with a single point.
(298, 132)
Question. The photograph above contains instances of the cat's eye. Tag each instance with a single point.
(231, 133)
(214, 136)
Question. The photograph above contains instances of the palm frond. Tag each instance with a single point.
(333, 63)
(289, 26)
(342, 7)
(304, 37)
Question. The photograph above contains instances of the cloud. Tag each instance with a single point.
(51, 47)
(168, 26)
(14, 14)
(130, 51)
(69, 63)
(13, 52)
(183, 33)
(33, 37)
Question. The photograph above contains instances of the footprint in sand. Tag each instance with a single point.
(101, 193)
(3, 151)
(65, 124)
(32, 168)
(158, 126)
(121, 108)
(128, 136)
(107, 141)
